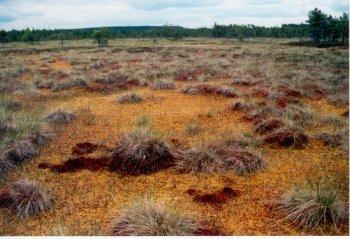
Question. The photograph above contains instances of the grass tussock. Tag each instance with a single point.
(286, 137)
(148, 218)
(25, 198)
(60, 116)
(130, 98)
(20, 151)
(218, 158)
(163, 85)
(209, 89)
(141, 152)
(311, 206)
(193, 128)
(143, 121)
(241, 105)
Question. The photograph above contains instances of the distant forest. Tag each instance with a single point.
(320, 28)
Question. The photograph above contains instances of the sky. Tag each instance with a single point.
(53, 14)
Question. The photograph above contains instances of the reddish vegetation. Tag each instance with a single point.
(5, 198)
(208, 89)
(268, 125)
(286, 138)
(288, 91)
(112, 82)
(208, 229)
(217, 197)
(189, 75)
(256, 116)
(314, 91)
(239, 106)
(133, 61)
(246, 82)
(281, 102)
(222, 75)
(332, 140)
(260, 92)
(345, 114)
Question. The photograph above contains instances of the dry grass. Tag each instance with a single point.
(129, 98)
(140, 152)
(311, 206)
(218, 158)
(145, 217)
(25, 198)
(60, 116)
(130, 65)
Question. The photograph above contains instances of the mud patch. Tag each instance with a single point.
(214, 198)
(79, 161)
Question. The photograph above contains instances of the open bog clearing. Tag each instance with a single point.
(227, 137)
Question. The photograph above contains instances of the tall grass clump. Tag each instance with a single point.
(129, 98)
(143, 121)
(311, 206)
(140, 152)
(145, 217)
(211, 157)
(25, 198)
(60, 116)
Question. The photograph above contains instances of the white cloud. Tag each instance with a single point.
(51, 14)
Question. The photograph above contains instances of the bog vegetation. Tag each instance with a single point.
(200, 136)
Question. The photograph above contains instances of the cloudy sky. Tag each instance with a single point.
(53, 14)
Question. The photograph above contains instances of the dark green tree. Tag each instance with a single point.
(219, 30)
(317, 23)
(101, 36)
(344, 26)
(28, 36)
(3, 36)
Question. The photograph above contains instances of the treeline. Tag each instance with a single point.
(320, 27)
